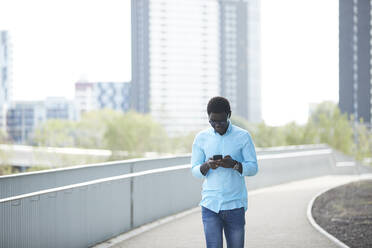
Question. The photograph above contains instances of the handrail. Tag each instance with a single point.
(153, 171)
(78, 185)
(294, 154)
(24, 183)
(258, 150)
(292, 147)
(127, 161)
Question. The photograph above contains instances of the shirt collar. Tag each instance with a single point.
(228, 128)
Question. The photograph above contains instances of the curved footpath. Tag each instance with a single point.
(276, 217)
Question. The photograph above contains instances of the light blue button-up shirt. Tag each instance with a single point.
(224, 188)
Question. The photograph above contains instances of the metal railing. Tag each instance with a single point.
(87, 213)
(24, 183)
(84, 214)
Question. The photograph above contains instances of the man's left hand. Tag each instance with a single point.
(226, 162)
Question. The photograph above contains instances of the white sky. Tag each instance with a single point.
(56, 43)
(299, 57)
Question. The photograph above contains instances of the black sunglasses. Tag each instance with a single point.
(213, 123)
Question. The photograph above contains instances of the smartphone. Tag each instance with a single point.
(217, 157)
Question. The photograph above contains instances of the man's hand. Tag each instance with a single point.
(212, 163)
(226, 162)
(204, 168)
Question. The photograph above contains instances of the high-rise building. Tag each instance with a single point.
(140, 90)
(175, 60)
(185, 52)
(60, 108)
(84, 97)
(240, 57)
(355, 64)
(24, 116)
(5, 76)
(92, 96)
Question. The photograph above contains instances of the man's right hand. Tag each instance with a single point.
(204, 168)
(212, 163)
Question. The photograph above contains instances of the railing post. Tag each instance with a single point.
(131, 197)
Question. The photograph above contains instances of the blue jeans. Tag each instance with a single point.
(231, 221)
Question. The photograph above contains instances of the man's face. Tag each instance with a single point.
(219, 122)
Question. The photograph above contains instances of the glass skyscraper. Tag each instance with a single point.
(5, 76)
(184, 52)
(355, 60)
(240, 57)
(24, 116)
(100, 95)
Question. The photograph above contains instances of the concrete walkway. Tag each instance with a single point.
(276, 217)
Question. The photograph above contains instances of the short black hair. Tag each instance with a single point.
(218, 104)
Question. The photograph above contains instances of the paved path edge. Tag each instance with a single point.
(144, 228)
(319, 228)
(139, 230)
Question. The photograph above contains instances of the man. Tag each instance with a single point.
(224, 194)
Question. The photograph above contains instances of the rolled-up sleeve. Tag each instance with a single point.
(249, 163)
(197, 159)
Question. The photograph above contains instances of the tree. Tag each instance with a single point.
(182, 143)
(86, 133)
(266, 136)
(138, 133)
(90, 130)
(135, 133)
(364, 142)
(243, 123)
(55, 133)
(5, 170)
(332, 127)
(3, 137)
(239, 121)
(294, 134)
